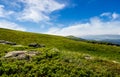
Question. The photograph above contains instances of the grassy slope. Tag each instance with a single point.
(62, 43)
(70, 58)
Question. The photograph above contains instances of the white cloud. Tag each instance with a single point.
(95, 26)
(11, 25)
(29, 10)
(39, 10)
(112, 16)
(4, 13)
(115, 15)
(106, 14)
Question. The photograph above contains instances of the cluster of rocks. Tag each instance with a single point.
(7, 42)
(21, 54)
(35, 45)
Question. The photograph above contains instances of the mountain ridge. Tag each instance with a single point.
(115, 39)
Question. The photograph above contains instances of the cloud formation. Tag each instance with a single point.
(33, 11)
(94, 26)
(39, 10)
(4, 13)
(11, 25)
(109, 15)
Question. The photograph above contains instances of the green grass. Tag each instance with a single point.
(62, 57)
(62, 43)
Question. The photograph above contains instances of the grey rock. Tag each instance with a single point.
(10, 43)
(2, 41)
(7, 42)
(36, 45)
(21, 54)
(88, 57)
(14, 54)
(32, 53)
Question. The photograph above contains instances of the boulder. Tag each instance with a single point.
(2, 41)
(36, 45)
(21, 54)
(10, 43)
(7, 42)
(14, 54)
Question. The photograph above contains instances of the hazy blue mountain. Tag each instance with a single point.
(106, 38)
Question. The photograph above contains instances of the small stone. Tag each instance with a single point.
(115, 62)
(17, 45)
(87, 57)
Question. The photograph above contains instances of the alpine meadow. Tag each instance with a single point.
(59, 38)
(61, 57)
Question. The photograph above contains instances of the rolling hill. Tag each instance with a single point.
(61, 57)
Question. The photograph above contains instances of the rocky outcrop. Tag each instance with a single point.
(21, 54)
(14, 54)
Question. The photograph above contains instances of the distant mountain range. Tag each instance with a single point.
(115, 39)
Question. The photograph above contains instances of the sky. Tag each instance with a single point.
(62, 17)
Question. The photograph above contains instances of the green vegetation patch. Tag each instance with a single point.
(61, 57)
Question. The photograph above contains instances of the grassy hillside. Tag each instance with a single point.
(62, 57)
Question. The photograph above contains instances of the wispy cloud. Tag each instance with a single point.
(95, 26)
(4, 13)
(11, 25)
(37, 11)
(112, 16)
(33, 11)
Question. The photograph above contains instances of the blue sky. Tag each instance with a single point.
(61, 17)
